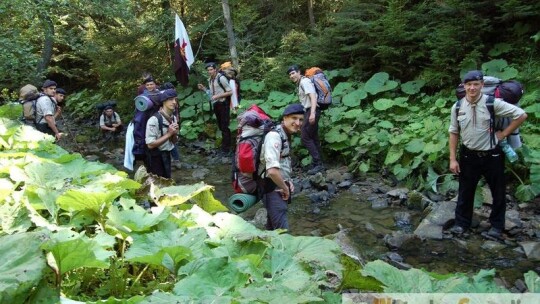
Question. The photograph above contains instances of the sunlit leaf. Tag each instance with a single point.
(383, 104)
(412, 87)
(415, 145)
(393, 155)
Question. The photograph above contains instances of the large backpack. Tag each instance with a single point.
(322, 87)
(28, 96)
(510, 91)
(231, 74)
(253, 125)
(145, 107)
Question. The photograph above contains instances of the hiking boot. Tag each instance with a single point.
(495, 233)
(457, 230)
(316, 169)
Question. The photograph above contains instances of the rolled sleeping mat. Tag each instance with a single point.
(143, 103)
(241, 202)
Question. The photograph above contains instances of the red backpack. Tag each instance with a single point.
(253, 125)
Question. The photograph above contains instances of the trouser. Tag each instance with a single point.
(222, 112)
(276, 209)
(44, 128)
(310, 137)
(473, 165)
(159, 163)
(119, 129)
(175, 154)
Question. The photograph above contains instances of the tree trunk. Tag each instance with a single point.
(230, 32)
(311, 15)
(46, 55)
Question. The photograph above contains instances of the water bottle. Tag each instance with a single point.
(511, 155)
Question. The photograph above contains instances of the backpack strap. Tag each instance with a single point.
(160, 121)
(458, 106)
(219, 80)
(491, 109)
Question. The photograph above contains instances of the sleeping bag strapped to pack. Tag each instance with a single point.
(253, 125)
(151, 102)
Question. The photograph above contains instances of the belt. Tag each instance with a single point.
(477, 153)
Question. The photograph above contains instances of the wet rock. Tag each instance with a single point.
(492, 246)
(379, 203)
(402, 219)
(355, 189)
(394, 256)
(400, 193)
(345, 184)
(431, 227)
(335, 176)
(332, 190)
(200, 173)
(415, 201)
(318, 181)
(435, 196)
(346, 244)
(369, 227)
(91, 157)
(319, 198)
(397, 239)
(520, 285)
(488, 199)
(400, 265)
(305, 184)
(531, 249)
(512, 220)
(259, 220)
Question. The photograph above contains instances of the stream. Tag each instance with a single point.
(367, 227)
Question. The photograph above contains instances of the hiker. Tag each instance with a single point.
(175, 154)
(310, 128)
(150, 86)
(218, 92)
(162, 135)
(110, 123)
(46, 110)
(59, 97)
(479, 153)
(231, 73)
(276, 162)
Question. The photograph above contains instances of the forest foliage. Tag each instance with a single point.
(97, 50)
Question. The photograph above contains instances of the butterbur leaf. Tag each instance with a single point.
(14, 218)
(87, 199)
(415, 146)
(208, 203)
(533, 281)
(380, 82)
(167, 248)
(72, 250)
(383, 104)
(21, 267)
(136, 219)
(412, 87)
(393, 155)
(354, 98)
(177, 195)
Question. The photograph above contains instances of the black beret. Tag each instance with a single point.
(294, 108)
(210, 64)
(60, 91)
(167, 94)
(473, 76)
(292, 68)
(49, 83)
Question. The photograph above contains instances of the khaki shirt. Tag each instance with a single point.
(476, 135)
(305, 87)
(216, 88)
(273, 155)
(45, 106)
(153, 133)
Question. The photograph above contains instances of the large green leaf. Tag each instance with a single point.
(533, 281)
(342, 88)
(14, 217)
(412, 87)
(499, 68)
(199, 193)
(383, 104)
(415, 145)
(93, 199)
(380, 82)
(209, 277)
(71, 250)
(252, 85)
(21, 267)
(336, 135)
(167, 249)
(136, 218)
(188, 112)
(354, 98)
(393, 155)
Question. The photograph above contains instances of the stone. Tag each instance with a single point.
(402, 218)
(260, 218)
(345, 184)
(512, 220)
(532, 250)
(397, 239)
(398, 193)
(379, 204)
(200, 173)
(492, 246)
(429, 230)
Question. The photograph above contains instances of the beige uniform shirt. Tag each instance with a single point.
(217, 86)
(475, 133)
(305, 87)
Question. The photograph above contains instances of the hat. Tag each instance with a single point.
(167, 94)
(295, 108)
(210, 64)
(60, 91)
(473, 75)
(292, 68)
(109, 107)
(149, 79)
(49, 83)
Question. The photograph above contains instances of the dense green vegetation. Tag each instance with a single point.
(74, 230)
(393, 64)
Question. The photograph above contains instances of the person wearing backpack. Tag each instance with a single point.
(162, 135)
(479, 152)
(310, 128)
(28, 96)
(46, 110)
(219, 92)
(276, 166)
(110, 123)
